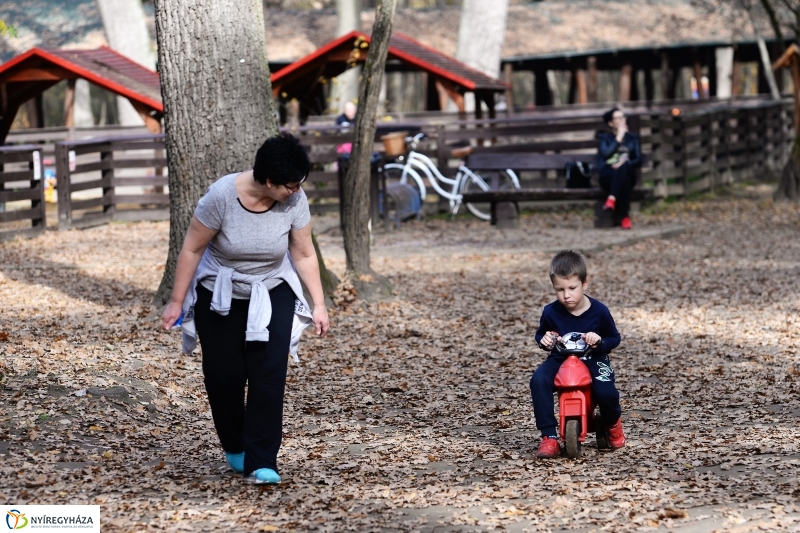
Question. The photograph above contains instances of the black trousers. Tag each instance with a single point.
(619, 183)
(229, 363)
(604, 391)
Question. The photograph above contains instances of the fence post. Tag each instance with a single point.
(441, 150)
(38, 181)
(708, 142)
(62, 186)
(684, 161)
(107, 157)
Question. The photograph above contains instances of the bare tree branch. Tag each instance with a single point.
(773, 20)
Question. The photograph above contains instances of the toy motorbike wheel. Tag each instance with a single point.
(571, 437)
(600, 431)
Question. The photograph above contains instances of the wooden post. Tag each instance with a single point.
(69, 104)
(109, 205)
(581, 89)
(625, 82)
(441, 149)
(796, 92)
(667, 87)
(63, 186)
(508, 75)
(38, 204)
(698, 75)
(542, 88)
(736, 74)
(478, 115)
(591, 85)
(649, 88)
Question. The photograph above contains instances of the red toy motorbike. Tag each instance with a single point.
(578, 413)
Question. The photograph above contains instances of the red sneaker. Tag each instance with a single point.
(610, 204)
(616, 437)
(548, 448)
(626, 223)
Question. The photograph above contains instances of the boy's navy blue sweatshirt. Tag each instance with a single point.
(597, 318)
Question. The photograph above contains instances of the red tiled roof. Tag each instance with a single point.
(102, 66)
(401, 47)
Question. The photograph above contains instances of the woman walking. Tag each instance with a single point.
(619, 153)
(237, 288)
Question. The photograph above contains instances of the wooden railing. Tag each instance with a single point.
(89, 175)
(22, 207)
(696, 150)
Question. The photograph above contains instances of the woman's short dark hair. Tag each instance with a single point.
(281, 160)
(608, 116)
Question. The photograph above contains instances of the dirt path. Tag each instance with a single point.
(415, 414)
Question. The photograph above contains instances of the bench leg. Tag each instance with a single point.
(505, 215)
(603, 218)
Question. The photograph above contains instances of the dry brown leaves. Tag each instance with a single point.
(415, 413)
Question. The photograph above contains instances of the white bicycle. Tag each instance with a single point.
(419, 168)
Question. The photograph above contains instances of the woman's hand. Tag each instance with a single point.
(171, 314)
(621, 131)
(321, 321)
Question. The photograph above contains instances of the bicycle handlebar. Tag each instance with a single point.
(412, 141)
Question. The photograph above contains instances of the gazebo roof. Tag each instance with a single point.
(28, 74)
(333, 58)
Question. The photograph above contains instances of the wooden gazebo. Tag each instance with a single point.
(447, 78)
(26, 76)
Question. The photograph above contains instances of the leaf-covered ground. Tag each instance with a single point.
(414, 414)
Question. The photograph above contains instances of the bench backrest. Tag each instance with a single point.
(530, 161)
(522, 161)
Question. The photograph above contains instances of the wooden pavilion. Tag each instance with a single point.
(664, 61)
(448, 79)
(25, 77)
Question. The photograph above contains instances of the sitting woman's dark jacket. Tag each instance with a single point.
(609, 150)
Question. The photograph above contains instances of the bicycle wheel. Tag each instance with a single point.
(507, 180)
(405, 193)
(397, 173)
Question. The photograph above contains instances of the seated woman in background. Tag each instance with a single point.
(619, 153)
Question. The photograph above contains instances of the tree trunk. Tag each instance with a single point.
(217, 100)
(481, 32)
(348, 14)
(789, 185)
(126, 30)
(356, 197)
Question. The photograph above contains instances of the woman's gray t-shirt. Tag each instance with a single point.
(247, 241)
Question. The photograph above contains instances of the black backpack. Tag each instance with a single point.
(579, 175)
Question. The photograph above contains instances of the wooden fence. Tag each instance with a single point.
(696, 150)
(91, 185)
(22, 207)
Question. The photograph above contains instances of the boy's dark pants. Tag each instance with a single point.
(604, 391)
(229, 362)
(619, 183)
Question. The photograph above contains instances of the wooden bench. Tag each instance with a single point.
(504, 203)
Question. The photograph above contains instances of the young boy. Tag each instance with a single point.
(574, 311)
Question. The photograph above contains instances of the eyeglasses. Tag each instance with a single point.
(294, 189)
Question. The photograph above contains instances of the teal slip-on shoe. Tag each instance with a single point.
(266, 475)
(236, 461)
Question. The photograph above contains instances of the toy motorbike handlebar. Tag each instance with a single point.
(572, 344)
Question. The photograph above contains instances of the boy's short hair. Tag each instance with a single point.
(568, 263)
